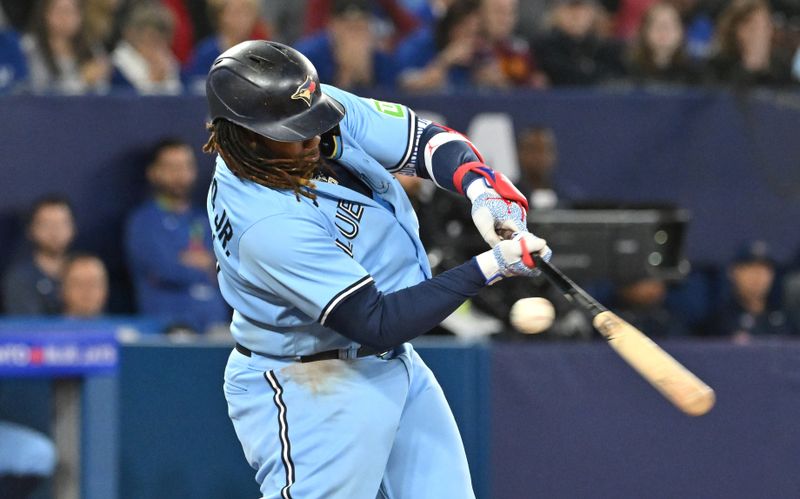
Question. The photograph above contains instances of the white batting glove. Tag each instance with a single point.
(512, 257)
(493, 213)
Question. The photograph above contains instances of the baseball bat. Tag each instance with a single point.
(676, 383)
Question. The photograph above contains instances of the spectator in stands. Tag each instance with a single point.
(285, 19)
(744, 53)
(537, 153)
(13, 67)
(640, 301)
(532, 17)
(573, 53)
(346, 54)
(99, 18)
(143, 60)
(183, 35)
(513, 54)
(168, 245)
(698, 22)
(628, 17)
(59, 55)
(695, 297)
(791, 294)
(796, 65)
(658, 53)
(32, 284)
(84, 287)
(428, 11)
(748, 312)
(16, 13)
(234, 21)
(786, 20)
(27, 458)
(450, 54)
(390, 19)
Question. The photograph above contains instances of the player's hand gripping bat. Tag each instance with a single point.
(685, 390)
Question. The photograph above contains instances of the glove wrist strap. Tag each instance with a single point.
(496, 181)
(461, 172)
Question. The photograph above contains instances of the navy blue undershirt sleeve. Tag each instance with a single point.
(446, 160)
(384, 321)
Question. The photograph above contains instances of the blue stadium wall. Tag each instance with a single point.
(732, 159)
(539, 420)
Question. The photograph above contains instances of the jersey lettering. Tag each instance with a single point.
(346, 247)
(350, 215)
(355, 210)
(224, 230)
(222, 224)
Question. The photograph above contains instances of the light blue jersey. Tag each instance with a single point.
(345, 424)
(277, 272)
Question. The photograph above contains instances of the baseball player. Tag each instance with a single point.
(319, 257)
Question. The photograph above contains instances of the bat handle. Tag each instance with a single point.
(527, 258)
(568, 288)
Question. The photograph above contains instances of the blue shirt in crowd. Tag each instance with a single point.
(196, 69)
(29, 291)
(419, 49)
(167, 289)
(319, 50)
(13, 67)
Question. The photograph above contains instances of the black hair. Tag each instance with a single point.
(45, 201)
(38, 29)
(248, 157)
(161, 145)
(454, 15)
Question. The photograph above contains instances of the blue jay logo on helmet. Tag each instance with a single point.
(305, 91)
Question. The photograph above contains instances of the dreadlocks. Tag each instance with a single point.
(247, 157)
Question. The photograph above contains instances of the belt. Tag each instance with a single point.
(326, 355)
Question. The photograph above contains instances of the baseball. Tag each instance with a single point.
(532, 315)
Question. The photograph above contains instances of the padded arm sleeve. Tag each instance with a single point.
(440, 153)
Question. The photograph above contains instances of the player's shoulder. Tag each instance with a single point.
(342, 96)
(247, 203)
(289, 224)
(358, 107)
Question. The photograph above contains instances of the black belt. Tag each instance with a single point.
(326, 355)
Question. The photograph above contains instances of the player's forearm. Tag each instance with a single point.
(453, 163)
(441, 152)
(384, 321)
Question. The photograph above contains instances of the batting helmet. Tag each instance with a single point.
(270, 89)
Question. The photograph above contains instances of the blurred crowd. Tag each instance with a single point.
(751, 296)
(167, 244)
(167, 46)
(170, 266)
